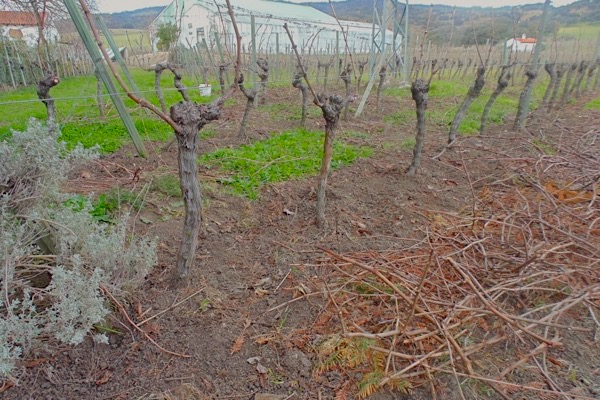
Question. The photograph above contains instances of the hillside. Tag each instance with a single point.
(136, 19)
(498, 23)
(489, 23)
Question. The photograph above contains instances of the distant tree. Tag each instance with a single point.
(167, 36)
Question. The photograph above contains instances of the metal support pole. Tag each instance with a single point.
(115, 50)
(406, 61)
(253, 33)
(98, 60)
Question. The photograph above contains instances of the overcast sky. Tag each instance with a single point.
(110, 6)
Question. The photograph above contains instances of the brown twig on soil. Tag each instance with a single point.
(123, 312)
(166, 310)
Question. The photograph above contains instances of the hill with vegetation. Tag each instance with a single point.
(580, 19)
(487, 23)
(136, 19)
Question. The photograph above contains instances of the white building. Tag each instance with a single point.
(312, 30)
(521, 44)
(22, 25)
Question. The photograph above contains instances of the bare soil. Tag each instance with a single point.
(258, 264)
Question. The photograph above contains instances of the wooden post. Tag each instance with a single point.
(221, 56)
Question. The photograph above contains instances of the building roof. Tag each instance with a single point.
(264, 10)
(19, 18)
(526, 40)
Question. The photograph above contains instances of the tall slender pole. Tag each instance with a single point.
(525, 98)
(117, 54)
(405, 66)
(98, 60)
(253, 33)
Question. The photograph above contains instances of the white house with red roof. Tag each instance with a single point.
(23, 25)
(521, 44)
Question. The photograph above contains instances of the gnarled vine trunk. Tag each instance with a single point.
(43, 92)
(420, 94)
(550, 68)
(560, 71)
(331, 108)
(472, 94)
(347, 78)
(263, 74)
(382, 75)
(298, 83)
(191, 118)
(502, 84)
(250, 95)
(567, 88)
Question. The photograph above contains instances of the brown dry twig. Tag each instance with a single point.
(123, 312)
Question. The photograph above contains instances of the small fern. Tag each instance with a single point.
(351, 354)
(342, 353)
(369, 384)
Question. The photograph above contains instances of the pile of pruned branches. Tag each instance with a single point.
(520, 269)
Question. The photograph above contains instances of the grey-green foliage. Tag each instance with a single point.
(54, 259)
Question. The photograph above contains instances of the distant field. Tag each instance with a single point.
(132, 38)
(583, 32)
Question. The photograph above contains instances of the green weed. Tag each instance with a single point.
(287, 112)
(594, 104)
(355, 134)
(544, 146)
(396, 91)
(167, 185)
(105, 206)
(400, 117)
(408, 143)
(289, 155)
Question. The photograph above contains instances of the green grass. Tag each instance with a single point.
(136, 37)
(167, 185)
(79, 117)
(408, 143)
(594, 104)
(580, 31)
(285, 156)
(445, 98)
(396, 91)
(291, 112)
(400, 117)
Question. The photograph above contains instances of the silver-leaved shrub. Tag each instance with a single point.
(54, 259)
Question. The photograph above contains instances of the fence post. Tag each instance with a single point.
(253, 33)
(221, 57)
(98, 60)
(21, 65)
(9, 64)
(277, 56)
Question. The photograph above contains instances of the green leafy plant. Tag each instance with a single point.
(289, 155)
(408, 144)
(106, 206)
(593, 104)
(167, 36)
